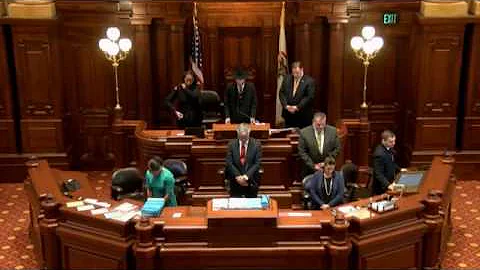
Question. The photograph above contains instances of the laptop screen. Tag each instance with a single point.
(411, 180)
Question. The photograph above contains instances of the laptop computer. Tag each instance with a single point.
(410, 180)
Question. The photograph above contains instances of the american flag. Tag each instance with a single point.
(196, 55)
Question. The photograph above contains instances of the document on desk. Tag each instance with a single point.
(347, 209)
(244, 203)
(219, 204)
(74, 204)
(299, 214)
(125, 207)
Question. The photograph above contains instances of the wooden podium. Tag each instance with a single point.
(242, 228)
(229, 131)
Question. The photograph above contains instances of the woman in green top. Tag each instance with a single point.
(159, 182)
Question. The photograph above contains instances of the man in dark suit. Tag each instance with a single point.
(384, 166)
(326, 187)
(296, 96)
(243, 164)
(240, 100)
(317, 142)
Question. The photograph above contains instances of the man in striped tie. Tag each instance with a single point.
(243, 164)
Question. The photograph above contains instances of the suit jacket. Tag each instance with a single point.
(251, 168)
(186, 101)
(240, 107)
(303, 98)
(384, 169)
(309, 151)
(316, 189)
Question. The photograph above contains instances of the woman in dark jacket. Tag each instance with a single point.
(184, 101)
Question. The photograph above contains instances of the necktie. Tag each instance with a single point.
(295, 86)
(242, 154)
(319, 142)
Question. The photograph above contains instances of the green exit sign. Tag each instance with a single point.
(390, 18)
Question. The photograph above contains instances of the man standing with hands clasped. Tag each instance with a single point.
(240, 100)
(243, 164)
(296, 95)
(317, 142)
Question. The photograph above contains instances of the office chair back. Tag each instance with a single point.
(127, 183)
(307, 199)
(212, 107)
(180, 172)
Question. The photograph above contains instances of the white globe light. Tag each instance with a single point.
(104, 44)
(377, 43)
(368, 32)
(368, 47)
(356, 43)
(125, 44)
(113, 33)
(113, 50)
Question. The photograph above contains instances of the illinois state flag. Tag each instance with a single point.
(282, 67)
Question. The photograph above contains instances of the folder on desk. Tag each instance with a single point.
(153, 207)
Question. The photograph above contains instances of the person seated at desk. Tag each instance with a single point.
(353, 191)
(184, 101)
(243, 164)
(159, 182)
(326, 187)
(240, 100)
(384, 166)
(316, 142)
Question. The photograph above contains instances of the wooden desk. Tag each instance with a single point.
(229, 131)
(192, 237)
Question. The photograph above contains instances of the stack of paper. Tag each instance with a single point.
(245, 203)
(153, 207)
(123, 212)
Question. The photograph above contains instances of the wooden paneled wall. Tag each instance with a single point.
(57, 90)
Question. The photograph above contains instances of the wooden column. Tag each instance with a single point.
(335, 70)
(143, 67)
(267, 94)
(212, 45)
(432, 242)
(471, 128)
(339, 246)
(176, 57)
(302, 45)
(144, 249)
(7, 144)
(48, 226)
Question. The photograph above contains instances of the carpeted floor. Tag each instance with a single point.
(16, 251)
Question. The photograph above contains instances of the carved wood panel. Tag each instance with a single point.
(35, 63)
(435, 133)
(239, 48)
(37, 73)
(438, 95)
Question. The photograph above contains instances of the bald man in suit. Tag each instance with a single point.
(243, 164)
(317, 142)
